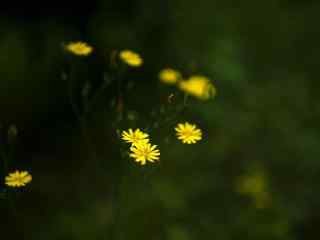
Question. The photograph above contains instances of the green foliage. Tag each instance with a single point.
(255, 173)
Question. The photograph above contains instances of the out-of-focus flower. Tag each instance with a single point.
(131, 58)
(134, 136)
(255, 186)
(12, 133)
(18, 179)
(199, 87)
(188, 133)
(144, 151)
(79, 48)
(252, 184)
(169, 76)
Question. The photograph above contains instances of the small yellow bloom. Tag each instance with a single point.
(169, 76)
(135, 136)
(144, 151)
(198, 86)
(131, 58)
(18, 179)
(79, 48)
(188, 133)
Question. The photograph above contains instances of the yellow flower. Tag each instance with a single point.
(255, 186)
(79, 48)
(169, 76)
(131, 58)
(135, 136)
(198, 86)
(188, 133)
(18, 179)
(144, 151)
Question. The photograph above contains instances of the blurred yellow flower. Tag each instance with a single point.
(18, 179)
(79, 48)
(199, 87)
(144, 151)
(255, 186)
(135, 136)
(188, 133)
(169, 76)
(252, 184)
(131, 58)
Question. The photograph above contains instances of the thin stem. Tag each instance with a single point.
(5, 158)
(120, 96)
(185, 99)
(71, 98)
(81, 118)
(116, 200)
(96, 96)
(177, 113)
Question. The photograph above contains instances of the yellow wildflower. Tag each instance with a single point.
(255, 186)
(18, 179)
(252, 184)
(169, 76)
(144, 151)
(131, 58)
(188, 133)
(198, 86)
(135, 136)
(79, 48)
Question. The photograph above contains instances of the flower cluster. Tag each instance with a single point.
(141, 148)
(129, 57)
(197, 85)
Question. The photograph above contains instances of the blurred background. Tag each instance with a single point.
(255, 174)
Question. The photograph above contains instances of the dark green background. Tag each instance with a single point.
(261, 55)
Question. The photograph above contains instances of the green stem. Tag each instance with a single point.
(185, 99)
(116, 200)
(81, 118)
(71, 97)
(6, 161)
(177, 113)
(120, 75)
(96, 96)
